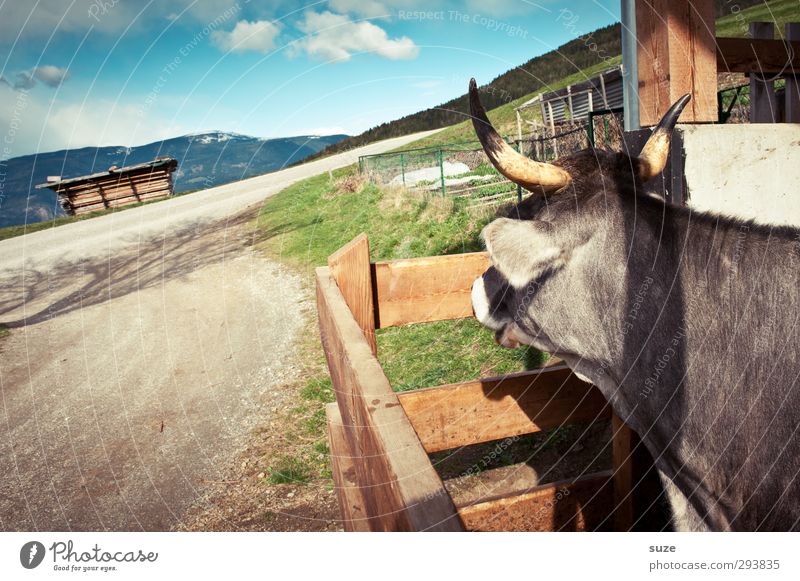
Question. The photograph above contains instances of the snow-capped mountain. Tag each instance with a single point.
(204, 160)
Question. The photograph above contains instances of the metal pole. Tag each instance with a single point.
(519, 187)
(590, 128)
(403, 169)
(441, 170)
(630, 70)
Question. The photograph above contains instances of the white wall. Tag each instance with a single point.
(748, 171)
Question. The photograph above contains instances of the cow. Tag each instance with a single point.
(686, 321)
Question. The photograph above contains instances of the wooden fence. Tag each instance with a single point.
(380, 440)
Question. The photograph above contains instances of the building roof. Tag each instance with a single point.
(158, 163)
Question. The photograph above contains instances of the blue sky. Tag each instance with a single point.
(76, 73)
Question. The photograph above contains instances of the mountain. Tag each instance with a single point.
(204, 160)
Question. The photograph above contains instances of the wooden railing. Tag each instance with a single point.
(380, 440)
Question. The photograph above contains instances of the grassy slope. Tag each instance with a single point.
(308, 221)
(778, 11)
(503, 117)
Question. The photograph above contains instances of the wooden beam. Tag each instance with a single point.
(348, 491)
(763, 103)
(676, 54)
(745, 55)
(792, 97)
(570, 505)
(403, 490)
(420, 290)
(472, 412)
(350, 268)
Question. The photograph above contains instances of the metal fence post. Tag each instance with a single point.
(519, 187)
(360, 164)
(441, 170)
(403, 169)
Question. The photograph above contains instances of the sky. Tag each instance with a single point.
(81, 73)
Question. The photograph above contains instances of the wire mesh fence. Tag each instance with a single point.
(459, 170)
(462, 170)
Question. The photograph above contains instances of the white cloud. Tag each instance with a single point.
(50, 75)
(31, 124)
(368, 8)
(42, 18)
(507, 8)
(24, 80)
(336, 37)
(258, 36)
(377, 8)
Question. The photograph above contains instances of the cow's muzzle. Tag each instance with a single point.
(489, 305)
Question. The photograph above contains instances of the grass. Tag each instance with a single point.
(4, 331)
(289, 470)
(302, 225)
(431, 354)
(305, 223)
(504, 118)
(777, 11)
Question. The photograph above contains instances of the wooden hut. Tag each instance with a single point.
(116, 187)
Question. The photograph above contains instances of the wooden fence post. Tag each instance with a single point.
(676, 54)
(352, 272)
(763, 104)
(792, 32)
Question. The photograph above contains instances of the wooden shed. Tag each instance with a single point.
(116, 187)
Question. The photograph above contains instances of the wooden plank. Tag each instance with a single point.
(676, 54)
(478, 411)
(420, 290)
(348, 491)
(763, 104)
(403, 491)
(622, 463)
(571, 505)
(350, 268)
(745, 55)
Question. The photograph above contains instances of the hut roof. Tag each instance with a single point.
(115, 171)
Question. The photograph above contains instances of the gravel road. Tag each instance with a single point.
(145, 346)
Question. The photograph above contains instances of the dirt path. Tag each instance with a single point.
(138, 378)
(146, 346)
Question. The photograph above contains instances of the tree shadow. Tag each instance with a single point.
(37, 295)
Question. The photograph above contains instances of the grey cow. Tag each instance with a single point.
(686, 321)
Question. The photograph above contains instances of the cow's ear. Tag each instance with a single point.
(521, 249)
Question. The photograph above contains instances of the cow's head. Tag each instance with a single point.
(550, 244)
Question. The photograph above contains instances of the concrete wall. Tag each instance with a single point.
(748, 171)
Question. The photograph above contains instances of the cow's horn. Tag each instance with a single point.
(526, 172)
(654, 154)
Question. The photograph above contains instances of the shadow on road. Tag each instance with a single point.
(38, 295)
